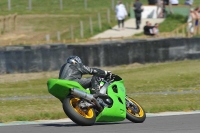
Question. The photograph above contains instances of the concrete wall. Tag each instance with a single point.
(22, 59)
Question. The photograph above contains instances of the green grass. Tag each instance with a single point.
(170, 102)
(24, 88)
(26, 110)
(172, 22)
(176, 76)
(47, 18)
(69, 7)
(51, 24)
(165, 77)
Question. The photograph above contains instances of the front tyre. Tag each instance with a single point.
(134, 112)
(83, 117)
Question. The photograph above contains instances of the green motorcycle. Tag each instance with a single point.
(110, 105)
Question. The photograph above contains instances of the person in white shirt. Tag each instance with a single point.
(174, 2)
(155, 30)
(121, 13)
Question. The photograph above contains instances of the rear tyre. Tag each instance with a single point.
(134, 112)
(83, 117)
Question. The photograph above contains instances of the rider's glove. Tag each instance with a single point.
(108, 74)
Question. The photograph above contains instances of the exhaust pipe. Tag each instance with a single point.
(82, 94)
(87, 96)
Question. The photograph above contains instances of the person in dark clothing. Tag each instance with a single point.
(73, 70)
(152, 2)
(166, 2)
(147, 28)
(138, 9)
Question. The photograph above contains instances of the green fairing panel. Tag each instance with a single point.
(118, 111)
(61, 88)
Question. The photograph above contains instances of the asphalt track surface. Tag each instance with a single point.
(187, 123)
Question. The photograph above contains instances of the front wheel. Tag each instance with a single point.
(83, 117)
(134, 112)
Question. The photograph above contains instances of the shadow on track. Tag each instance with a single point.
(75, 125)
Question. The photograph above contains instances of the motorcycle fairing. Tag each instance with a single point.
(117, 112)
(61, 88)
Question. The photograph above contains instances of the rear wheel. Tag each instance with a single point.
(134, 112)
(83, 117)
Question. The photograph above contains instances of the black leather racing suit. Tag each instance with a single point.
(75, 71)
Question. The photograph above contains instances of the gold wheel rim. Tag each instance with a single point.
(88, 114)
(141, 112)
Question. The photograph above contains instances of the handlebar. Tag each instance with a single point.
(111, 78)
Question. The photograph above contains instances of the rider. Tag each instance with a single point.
(73, 70)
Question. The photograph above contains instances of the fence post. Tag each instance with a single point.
(177, 32)
(58, 35)
(199, 28)
(8, 23)
(4, 24)
(15, 21)
(72, 32)
(108, 15)
(85, 4)
(47, 37)
(81, 29)
(61, 4)
(30, 4)
(188, 31)
(113, 4)
(127, 6)
(193, 22)
(9, 5)
(183, 32)
(91, 26)
(0, 26)
(99, 21)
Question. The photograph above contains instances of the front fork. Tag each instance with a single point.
(131, 105)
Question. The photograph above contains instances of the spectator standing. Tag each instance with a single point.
(138, 9)
(189, 2)
(160, 9)
(191, 17)
(197, 17)
(121, 14)
(174, 2)
(170, 3)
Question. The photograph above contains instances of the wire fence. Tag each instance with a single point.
(179, 32)
(45, 5)
(87, 23)
(8, 23)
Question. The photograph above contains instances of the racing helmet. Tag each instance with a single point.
(74, 60)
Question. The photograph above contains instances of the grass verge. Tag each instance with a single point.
(177, 77)
(46, 18)
(172, 21)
